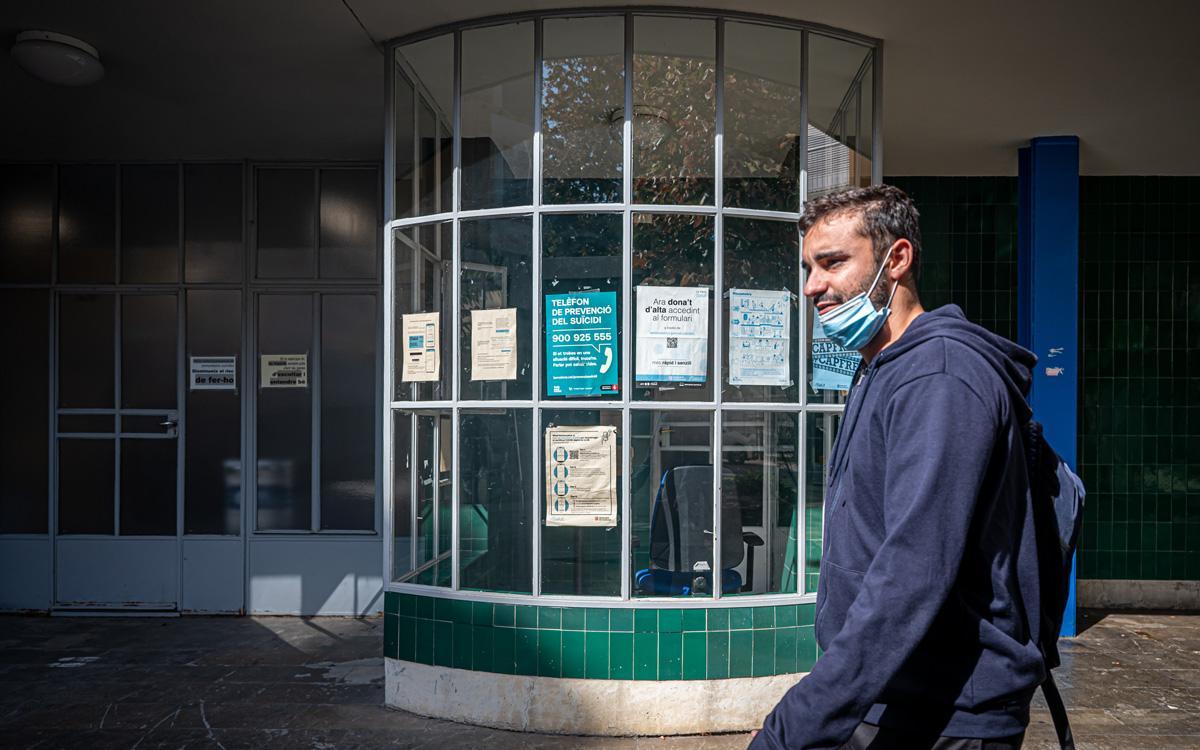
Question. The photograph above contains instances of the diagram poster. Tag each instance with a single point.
(759, 337)
(581, 344)
(672, 336)
(833, 367)
(581, 472)
(422, 360)
(494, 344)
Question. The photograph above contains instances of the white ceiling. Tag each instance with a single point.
(965, 83)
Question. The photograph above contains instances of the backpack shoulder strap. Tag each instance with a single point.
(1058, 712)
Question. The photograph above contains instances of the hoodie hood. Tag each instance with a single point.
(1012, 362)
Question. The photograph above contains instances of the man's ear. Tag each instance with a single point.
(900, 256)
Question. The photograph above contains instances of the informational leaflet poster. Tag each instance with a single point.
(494, 344)
(422, 360)
(833, 367)
(581, 344)
(759, 337)
(581, 472)
(672, 336)
(284, 370)
(212, 373)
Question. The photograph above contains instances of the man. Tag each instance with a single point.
(927, 607)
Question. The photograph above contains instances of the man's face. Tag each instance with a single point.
(839, 263)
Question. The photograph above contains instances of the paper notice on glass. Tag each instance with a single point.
(672, 336)
(212, 373)
(494, 344)
(581, 471)
(833, 367)
(759, 337)
(284, 370)
(420, 333)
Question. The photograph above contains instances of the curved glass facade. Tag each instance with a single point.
(599, 359)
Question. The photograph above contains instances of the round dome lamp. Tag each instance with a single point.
(57, 58)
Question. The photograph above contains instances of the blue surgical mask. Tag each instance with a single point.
(852, 324)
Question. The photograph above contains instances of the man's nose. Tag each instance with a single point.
(814, 283)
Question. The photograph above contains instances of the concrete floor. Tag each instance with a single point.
(1131, 681)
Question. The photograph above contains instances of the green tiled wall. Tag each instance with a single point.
(1139, 385)
(600, 643)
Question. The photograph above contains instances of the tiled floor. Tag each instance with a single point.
(1131, 681)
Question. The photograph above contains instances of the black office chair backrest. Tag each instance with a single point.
(681, 530)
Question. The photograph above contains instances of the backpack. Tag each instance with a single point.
(1058, 495)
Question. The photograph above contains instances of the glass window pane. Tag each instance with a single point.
(26, 222)
(213, 449)
(149, 337)
(759, 489)
(822, 429)
(87, 224)
(671, 499)
(212, 222)
(348, 411)
(839, 135)
(284, 434)
(86, 375)
(424, 271)
(434, 516)
(581, 560)
(349, 223)
(402, 496)
(832, 369)
(762, 117)
(583, 97)
(674, 110)
(496, 495)
(674, 250)
(582, 253)
(88, 423)
(150, 223)
(497, 272)
(24, 388)
(286, 223)
(86, 473)
(497, 116)
(762, 305)
(424, 113)
(148, 484)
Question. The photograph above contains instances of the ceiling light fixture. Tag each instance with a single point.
(57, 58)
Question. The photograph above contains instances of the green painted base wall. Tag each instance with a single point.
(600, 643)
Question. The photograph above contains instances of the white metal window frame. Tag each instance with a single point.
(627, 208)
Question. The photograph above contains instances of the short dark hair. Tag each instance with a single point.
(886, 214)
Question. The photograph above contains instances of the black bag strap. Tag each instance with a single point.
(1058, 712)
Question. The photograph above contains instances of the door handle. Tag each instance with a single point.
(170, 424)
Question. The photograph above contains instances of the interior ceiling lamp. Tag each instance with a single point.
(651, 125)
(58, 58)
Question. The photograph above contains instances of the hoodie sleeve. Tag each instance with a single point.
(939, 436)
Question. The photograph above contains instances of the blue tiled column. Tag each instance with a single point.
(1048, 292)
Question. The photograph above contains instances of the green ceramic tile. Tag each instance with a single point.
(805, 613)
(503, 650)
(424, 606)
(620, 620)
(785, 650)
(391, 603)
(408, 605)
(574, 663)
(525, 652)
(785, 616)
(741, 653)
(527, 616)
(694, 619)
(481, 613)
(764, 617)
(443, 609)
(741, 618)
(461, 610)
(764, 653)
(423, 651)
(597, 618)
(549, 653)
(620, 656)
(670, 656)
(645, 656)
(574, 618)
(596, 658)
(463, 650)
(806, 649)
(718, 654)
(504, 616)
(482, 647)
(695, 655)
(443, 643)
(406, 638)
(549, 617)
(718, 619)
(670, 620)
(645, 620)
(391, 632)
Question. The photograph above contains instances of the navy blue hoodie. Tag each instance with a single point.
(927, 606)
